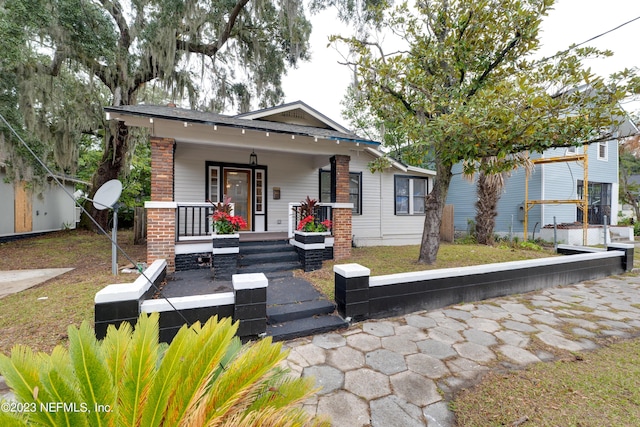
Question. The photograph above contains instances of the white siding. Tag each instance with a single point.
(298, 176)
(6, 208)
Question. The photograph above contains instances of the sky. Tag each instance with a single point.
(322, 82)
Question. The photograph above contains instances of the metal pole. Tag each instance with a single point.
(555, 234)
(114, 242)
(604, 219)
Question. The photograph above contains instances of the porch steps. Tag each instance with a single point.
(267, 256)
(296, 309)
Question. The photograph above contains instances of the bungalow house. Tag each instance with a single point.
(25, 212)
(267, 161)
(552, 180)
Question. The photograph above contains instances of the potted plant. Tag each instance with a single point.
(310, 235)
(310, 223)
(223, 221)
(226, 240)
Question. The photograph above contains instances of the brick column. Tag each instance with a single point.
(341, 214)
(161, 211)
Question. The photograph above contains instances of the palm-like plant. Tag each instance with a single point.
(204, 377)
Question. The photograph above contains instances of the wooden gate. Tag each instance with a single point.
(23, 212)
(446, 226)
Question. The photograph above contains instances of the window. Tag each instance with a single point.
(410, 194)
(214, 184)
(355, 189)
(602, 150)
(599, 194)
(259, 190)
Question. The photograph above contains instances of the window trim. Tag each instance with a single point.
(411, 196)
(355, 210)
(600, 145)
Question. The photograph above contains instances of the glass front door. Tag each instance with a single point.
(237, 185)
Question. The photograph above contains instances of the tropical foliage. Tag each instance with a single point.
(308, 211)
(204, 377)
(460, 81)
(223, 221)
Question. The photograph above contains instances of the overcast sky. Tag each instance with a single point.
(322, 82)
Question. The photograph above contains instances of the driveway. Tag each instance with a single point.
(13, 281)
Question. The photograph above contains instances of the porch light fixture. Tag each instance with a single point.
(293, 137)
(243, 131)
(267, 133)
(253, 158)
(108, 116)
(151, 120)
(315, 139)
(185, 124)
(215, 127)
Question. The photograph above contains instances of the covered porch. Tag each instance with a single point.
(266, 163)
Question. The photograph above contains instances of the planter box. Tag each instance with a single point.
(310, 248)
(309, 238)
(226, 249)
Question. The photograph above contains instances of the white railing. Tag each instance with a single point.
(324, 212)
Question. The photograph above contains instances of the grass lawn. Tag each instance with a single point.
(39, 316)
(598, 388)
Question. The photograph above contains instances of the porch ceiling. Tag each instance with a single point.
(215, 129)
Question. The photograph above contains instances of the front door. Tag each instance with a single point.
(237, 185)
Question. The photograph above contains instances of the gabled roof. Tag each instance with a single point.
(186, 116)
(294, 113)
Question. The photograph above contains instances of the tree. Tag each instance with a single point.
(204, 377)
(461, 82)
(629, 166)
(79, 55)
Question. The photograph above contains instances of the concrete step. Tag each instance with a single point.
(305, 327)
(265, 246)
(268, 257)
(269, 267)
(288, 312)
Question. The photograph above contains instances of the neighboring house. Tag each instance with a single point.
(550, 181)
(25, 212)
(267, 161)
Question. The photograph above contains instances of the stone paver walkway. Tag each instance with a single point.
(403, 371)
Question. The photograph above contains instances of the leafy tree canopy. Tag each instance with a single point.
(63, 60)
(462, 81)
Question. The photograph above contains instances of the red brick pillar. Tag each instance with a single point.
(341, 213)
(161, 210)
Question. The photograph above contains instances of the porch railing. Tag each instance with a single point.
(193, 221)
(324, 212)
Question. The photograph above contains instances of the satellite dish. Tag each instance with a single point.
(107, 195)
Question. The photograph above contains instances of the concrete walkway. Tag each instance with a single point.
(403, 371)
(13, 281)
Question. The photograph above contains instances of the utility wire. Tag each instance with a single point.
(572, 47)
(98, 226)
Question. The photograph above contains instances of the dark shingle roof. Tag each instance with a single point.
(193, 116)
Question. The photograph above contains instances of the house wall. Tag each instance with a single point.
(378, 224)
(52, 209)
(6, 208)
(553, 181)
(298, 176)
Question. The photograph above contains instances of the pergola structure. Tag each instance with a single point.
(582, 204)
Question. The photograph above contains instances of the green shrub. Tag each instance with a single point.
(204, 377)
